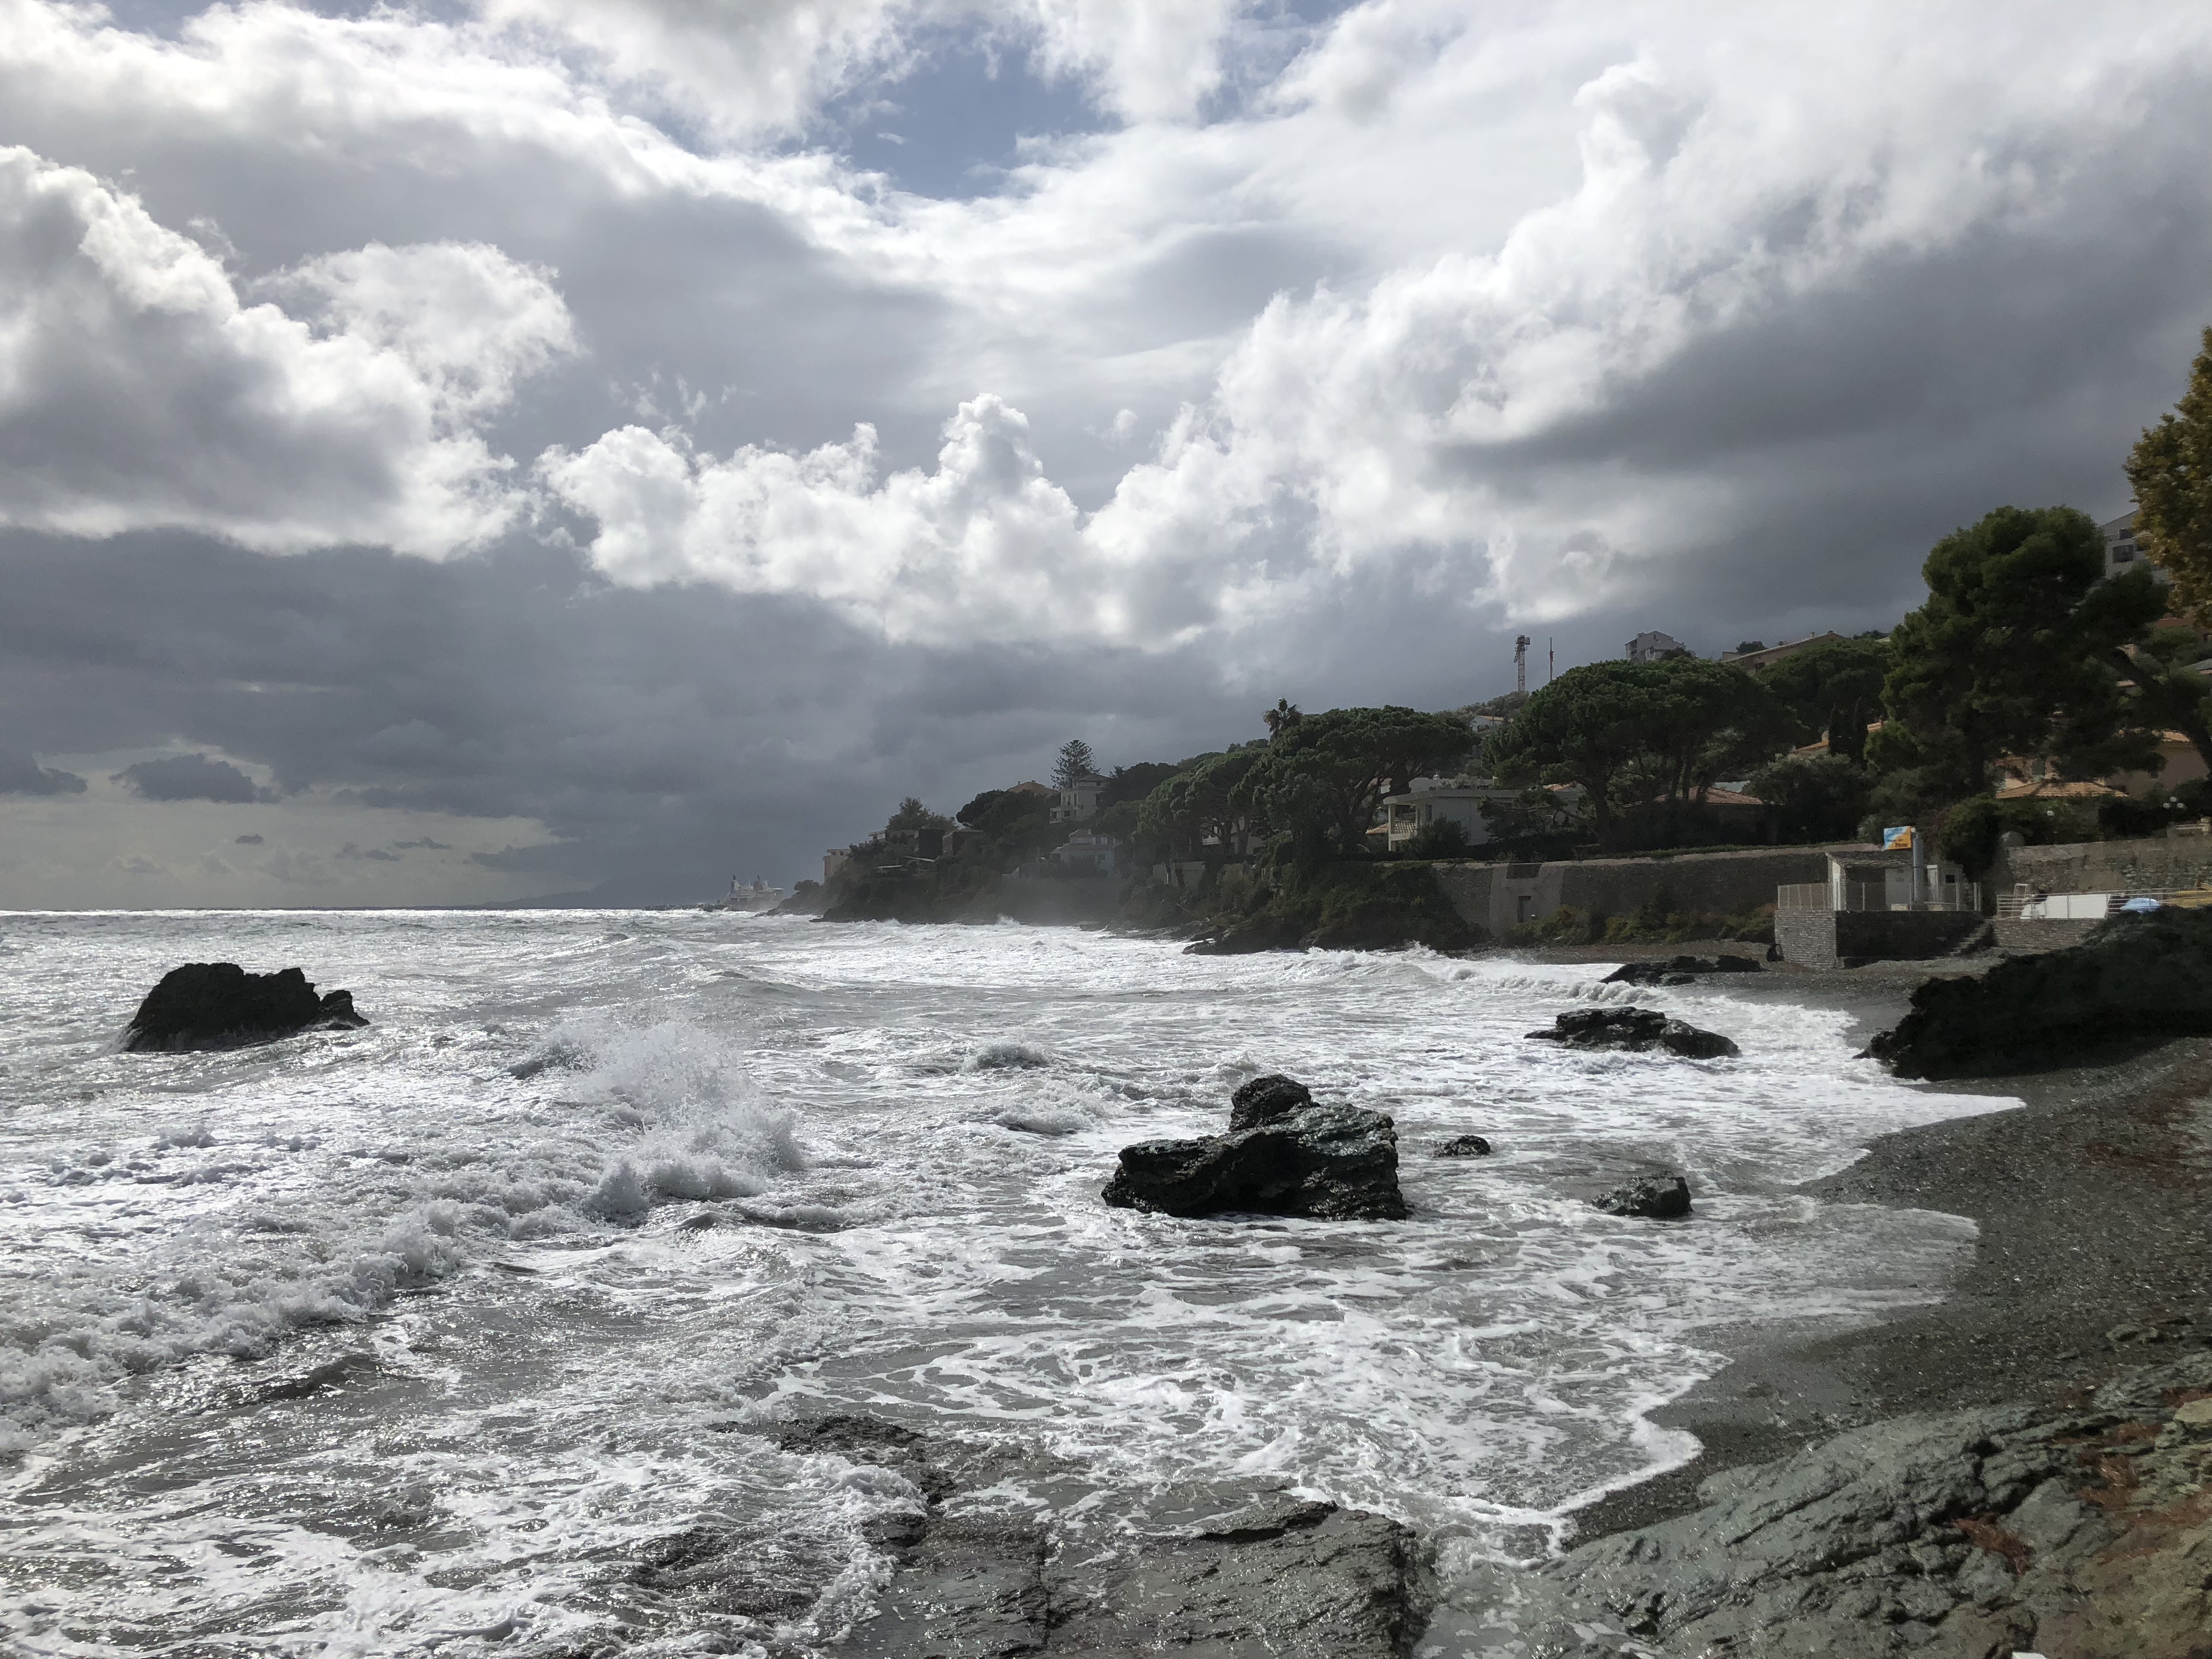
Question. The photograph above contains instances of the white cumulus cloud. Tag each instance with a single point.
(139, 390)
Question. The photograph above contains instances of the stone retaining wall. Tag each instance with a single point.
(1499, 896)
(1838, 939)
(2157, 864)
(2015, 934)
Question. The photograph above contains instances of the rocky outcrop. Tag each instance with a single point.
(1463, 1146)
(1284, 1155)
(2136, 979)
(1635, 1030)
(1659, 1198)
(1268, 1575)
(1678, 970)
(218, 1004)
(2081, 1531)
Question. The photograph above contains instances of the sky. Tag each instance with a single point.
(488, 451)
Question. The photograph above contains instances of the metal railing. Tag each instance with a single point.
(1862, 896)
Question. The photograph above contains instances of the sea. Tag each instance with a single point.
(419, 1338)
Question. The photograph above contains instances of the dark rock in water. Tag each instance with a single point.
(2136, 979)
(218, 1004)
(1284, 1155)
(1266, 1099)
(1677, 970)
(1635, 1030)
(1661, 1198)
(1464, 1146)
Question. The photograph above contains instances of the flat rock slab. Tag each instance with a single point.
(218, 1004)
(2080, 1531)
(1281, 1579)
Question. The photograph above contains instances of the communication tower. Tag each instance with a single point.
(1520, 664)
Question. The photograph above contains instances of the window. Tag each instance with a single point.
(2124, 552)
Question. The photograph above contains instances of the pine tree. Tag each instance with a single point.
(1076, 761)
(2170, 471)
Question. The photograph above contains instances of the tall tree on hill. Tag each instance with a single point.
(1076, 762)
(2170, 470)
(1834, 687)
(1321, 779)
(2020, 650)
(1630, 733)
(1283, 715)
(1183, 812)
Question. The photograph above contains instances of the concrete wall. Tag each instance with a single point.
(2159, 864)
(1499, 896)
(1837, 938)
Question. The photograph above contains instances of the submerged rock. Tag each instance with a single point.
(1463, 1146)
(1659, 1198)
(2136, 978)
(1635, 1030)
(218, 1004)
(1284, 1155)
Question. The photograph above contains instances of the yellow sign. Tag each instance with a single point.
(1898, 839)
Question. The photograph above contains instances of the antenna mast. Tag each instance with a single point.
(1520, 664)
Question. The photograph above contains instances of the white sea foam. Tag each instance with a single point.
(666, 1175)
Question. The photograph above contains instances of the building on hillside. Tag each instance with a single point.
(1767, 656)
(834, 860)
(1651, 645)
(2183, 764)
(2121, 551)
(1086, 855)
(1431, 800)
(1079, 800)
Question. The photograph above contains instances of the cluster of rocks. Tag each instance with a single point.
(1635, 1030)
(218, 1004)
(2081, 1530)
(1678, 970)
(2137, 979)
(1284, 1154)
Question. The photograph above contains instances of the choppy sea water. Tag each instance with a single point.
(413, 1339)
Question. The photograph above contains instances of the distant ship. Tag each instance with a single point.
(749, 900)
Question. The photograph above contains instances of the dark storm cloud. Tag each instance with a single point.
(22, 774)
(190, 777)
(246, 841)
(665, 739)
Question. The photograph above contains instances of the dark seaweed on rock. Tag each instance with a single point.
(2137, 979)
(1635, 1030)
(218, 1004)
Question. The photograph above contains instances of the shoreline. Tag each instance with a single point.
(2092, 1257)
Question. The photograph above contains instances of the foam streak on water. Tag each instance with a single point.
(417, 1338)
